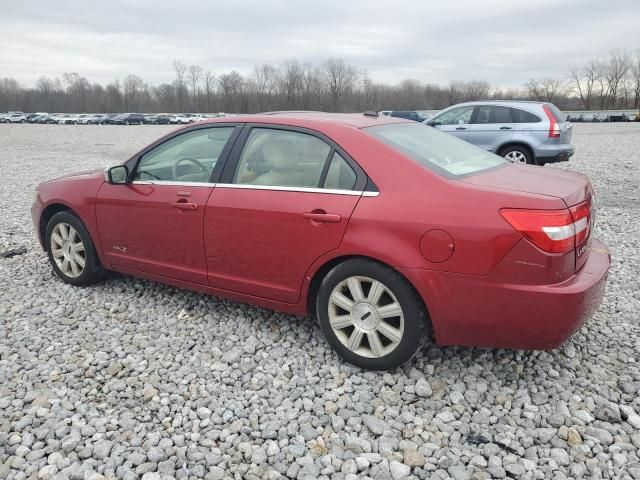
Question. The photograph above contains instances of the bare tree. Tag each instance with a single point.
(290, 82)
(231, 85)
(584, 78)
(180, 68)
(132, 89)
(635, 79)
(341, 79)
(208, 83)
(614, 70)
(195, 73)
(545, 89)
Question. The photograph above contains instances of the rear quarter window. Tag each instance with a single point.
(522, 116)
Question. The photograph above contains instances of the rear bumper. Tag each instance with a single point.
(562, 156)
(480, 311)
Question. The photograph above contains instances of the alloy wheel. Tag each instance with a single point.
(366, 317)
(516, 156)
(68, 250)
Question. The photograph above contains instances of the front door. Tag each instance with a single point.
(155, 223)
(456, 121)
(286, 202)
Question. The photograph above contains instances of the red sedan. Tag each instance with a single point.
(387, 230)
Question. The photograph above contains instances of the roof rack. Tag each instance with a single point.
(370, 113)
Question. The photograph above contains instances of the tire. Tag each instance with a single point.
(518, 154)
(61, 248)
(362, 321)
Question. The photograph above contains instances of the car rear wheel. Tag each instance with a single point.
(517, 154)
(71, 251)
(370, 315)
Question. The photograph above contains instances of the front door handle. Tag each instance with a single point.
(321, 217)
(184, 205)
(461, 128)
(505, 128)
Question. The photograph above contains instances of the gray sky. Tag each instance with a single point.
(504, 42)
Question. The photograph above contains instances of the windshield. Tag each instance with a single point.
(440, 152)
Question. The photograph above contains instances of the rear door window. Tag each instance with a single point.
(492, 114)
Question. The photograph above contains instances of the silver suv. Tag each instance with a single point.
(526, 132)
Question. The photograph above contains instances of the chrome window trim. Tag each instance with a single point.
(173, 183)
(330, 191)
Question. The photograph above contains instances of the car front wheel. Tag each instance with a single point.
(370, 315)
(71, 251)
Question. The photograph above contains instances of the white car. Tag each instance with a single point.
(83, 119)
(17, 118)
(180, 118)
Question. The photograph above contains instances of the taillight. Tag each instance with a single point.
(554, 231)
(554, 127)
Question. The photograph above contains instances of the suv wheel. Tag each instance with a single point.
(518, 154)
(370, 315)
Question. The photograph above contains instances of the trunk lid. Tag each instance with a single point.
(571, 187)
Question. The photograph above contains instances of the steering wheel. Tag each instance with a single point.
(202, 168)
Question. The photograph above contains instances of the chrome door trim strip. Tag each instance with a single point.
(173, 183)
(330, 191)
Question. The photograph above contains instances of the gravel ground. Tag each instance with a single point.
(131, 379)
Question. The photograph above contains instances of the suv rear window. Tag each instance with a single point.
(437, 151)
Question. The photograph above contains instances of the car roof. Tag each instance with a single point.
(311, 119)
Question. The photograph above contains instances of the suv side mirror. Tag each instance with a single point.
(117, 175)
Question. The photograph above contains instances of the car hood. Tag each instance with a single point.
(571, 187)
(94, 173)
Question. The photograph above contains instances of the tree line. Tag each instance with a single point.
(611, 82)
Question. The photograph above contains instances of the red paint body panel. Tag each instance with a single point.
(496, 289)
(259, 243)
(140, 229)
(490, 311)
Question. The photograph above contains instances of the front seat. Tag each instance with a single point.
(483, 117)
(280, 158)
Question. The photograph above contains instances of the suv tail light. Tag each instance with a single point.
(554, 231)
(554, 127)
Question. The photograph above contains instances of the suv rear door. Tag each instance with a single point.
(491, 127)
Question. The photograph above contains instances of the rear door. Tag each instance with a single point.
(456, 121)
(492, 126)
(284, 199)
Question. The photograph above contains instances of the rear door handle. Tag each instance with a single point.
(321, 217)
(505, 128)
(184, 205)
(461, 128)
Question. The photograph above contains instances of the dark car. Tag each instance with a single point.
(409, 115)
(163, 119)
(129, 119)
(150, 119)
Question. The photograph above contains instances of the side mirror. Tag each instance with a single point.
(117, 175)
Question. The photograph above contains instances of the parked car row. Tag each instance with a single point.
(603, 117)
(106, 118)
